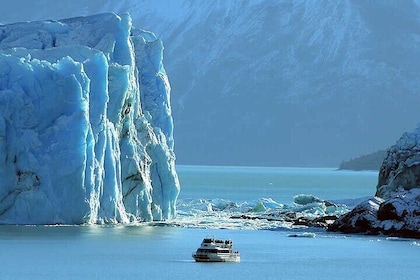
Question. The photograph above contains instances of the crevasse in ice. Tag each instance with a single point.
(85, 123)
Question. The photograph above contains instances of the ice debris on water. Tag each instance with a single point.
(264, 213)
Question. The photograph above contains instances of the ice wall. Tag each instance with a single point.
(85, 123)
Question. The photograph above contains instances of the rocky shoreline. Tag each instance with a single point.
(295, 220)
(394, 210)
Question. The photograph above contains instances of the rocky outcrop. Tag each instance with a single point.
(395, 208)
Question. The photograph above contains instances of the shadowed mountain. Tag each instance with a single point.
(297, 83)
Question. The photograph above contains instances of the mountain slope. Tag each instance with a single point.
(283, 82)
(295, 83)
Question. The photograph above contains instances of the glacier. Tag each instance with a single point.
(86, 131)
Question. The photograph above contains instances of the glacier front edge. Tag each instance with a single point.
(86, 132)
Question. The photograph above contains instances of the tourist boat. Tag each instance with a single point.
(215, 250)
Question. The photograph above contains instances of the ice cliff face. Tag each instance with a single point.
(85, 123)
(395, 208)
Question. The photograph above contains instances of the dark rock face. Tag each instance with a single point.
(401, 167)
(395, 208)
(389, 211)
(360, 219)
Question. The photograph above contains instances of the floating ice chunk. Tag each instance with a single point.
(259, 207)
(303, 234)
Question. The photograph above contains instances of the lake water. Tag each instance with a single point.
(163, 250)
(281, 184)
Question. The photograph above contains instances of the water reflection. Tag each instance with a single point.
(147, 230)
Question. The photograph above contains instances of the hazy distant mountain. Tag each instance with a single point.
(372, 161)
(280, 82)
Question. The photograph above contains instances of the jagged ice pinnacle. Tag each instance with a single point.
(85, 123)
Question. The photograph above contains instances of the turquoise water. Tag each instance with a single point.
(163, 251)
(278, 183)
(145, 252)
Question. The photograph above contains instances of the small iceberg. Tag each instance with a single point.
(303, 234)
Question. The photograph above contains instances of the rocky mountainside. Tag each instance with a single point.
(395, 208)
(278, 82)
(292, 83)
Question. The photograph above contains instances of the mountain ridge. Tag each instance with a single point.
(302, 83)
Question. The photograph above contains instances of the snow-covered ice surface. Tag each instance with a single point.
(85, 123)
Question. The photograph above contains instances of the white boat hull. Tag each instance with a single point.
(217, 258)
(216, 250)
